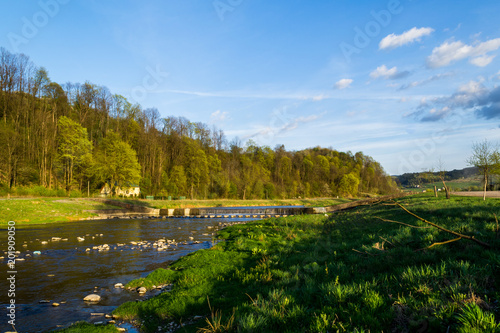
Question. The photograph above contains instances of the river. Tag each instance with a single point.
(68, 269)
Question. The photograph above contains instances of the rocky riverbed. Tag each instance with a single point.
(60, 264)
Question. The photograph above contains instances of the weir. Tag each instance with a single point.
(134, 211)
(241, 211)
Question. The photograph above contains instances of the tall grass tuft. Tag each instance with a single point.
(473, 319)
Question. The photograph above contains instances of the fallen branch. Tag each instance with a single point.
(443, 229)
(372, 255)
(386, 240)
(496, 219)
(441, 243)
(408, 225)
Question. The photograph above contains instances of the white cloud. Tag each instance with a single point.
(383, 71)
(472, 97)
(473, 88)
(449, 52)
(414, 34)
(482, 61)
(218, 116)
(386, 73)
(343, 83)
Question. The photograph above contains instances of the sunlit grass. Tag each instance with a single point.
(347, 272)
(45, 210)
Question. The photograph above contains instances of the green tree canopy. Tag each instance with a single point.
(75, 148)
(349, 185)
(116, 162)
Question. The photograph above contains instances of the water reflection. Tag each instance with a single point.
(68, 270)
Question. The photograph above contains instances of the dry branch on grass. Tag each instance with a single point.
(496, 219)
(459, 235)
(408, 225)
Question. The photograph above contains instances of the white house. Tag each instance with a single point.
(129, 190)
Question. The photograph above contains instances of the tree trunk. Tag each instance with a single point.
(435, 191)
(485, 185)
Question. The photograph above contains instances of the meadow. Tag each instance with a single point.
(45, 210)
(370, 269)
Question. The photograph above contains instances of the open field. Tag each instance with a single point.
(347, 272)
(489, 194)
(466, 184)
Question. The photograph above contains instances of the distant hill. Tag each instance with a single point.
(421, 178)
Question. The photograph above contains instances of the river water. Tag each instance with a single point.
(68, 269)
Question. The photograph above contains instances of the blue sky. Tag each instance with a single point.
(408, 82)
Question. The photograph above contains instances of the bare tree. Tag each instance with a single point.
(485, 157)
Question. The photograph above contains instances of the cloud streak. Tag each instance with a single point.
(426, 81)
(414, 34)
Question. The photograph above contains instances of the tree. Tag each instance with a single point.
(177, 180)
(116, 162)
(74, 147)
(485, 157)
(349, 185)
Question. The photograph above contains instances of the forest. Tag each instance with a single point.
(75, 138)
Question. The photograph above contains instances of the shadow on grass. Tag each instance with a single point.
(346, 272)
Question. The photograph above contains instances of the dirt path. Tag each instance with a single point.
(489, 194)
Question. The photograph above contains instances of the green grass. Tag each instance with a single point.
(472, 183)
(45, 210)
(348, 272)
(83, 327)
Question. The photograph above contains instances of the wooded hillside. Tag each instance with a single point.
(67, 136)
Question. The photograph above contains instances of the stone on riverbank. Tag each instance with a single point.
(92, 298)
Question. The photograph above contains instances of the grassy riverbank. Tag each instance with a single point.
(346, 272)
(46, 210)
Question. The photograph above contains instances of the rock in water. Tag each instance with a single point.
(92, 298)
(142, 290)
(118, 285)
